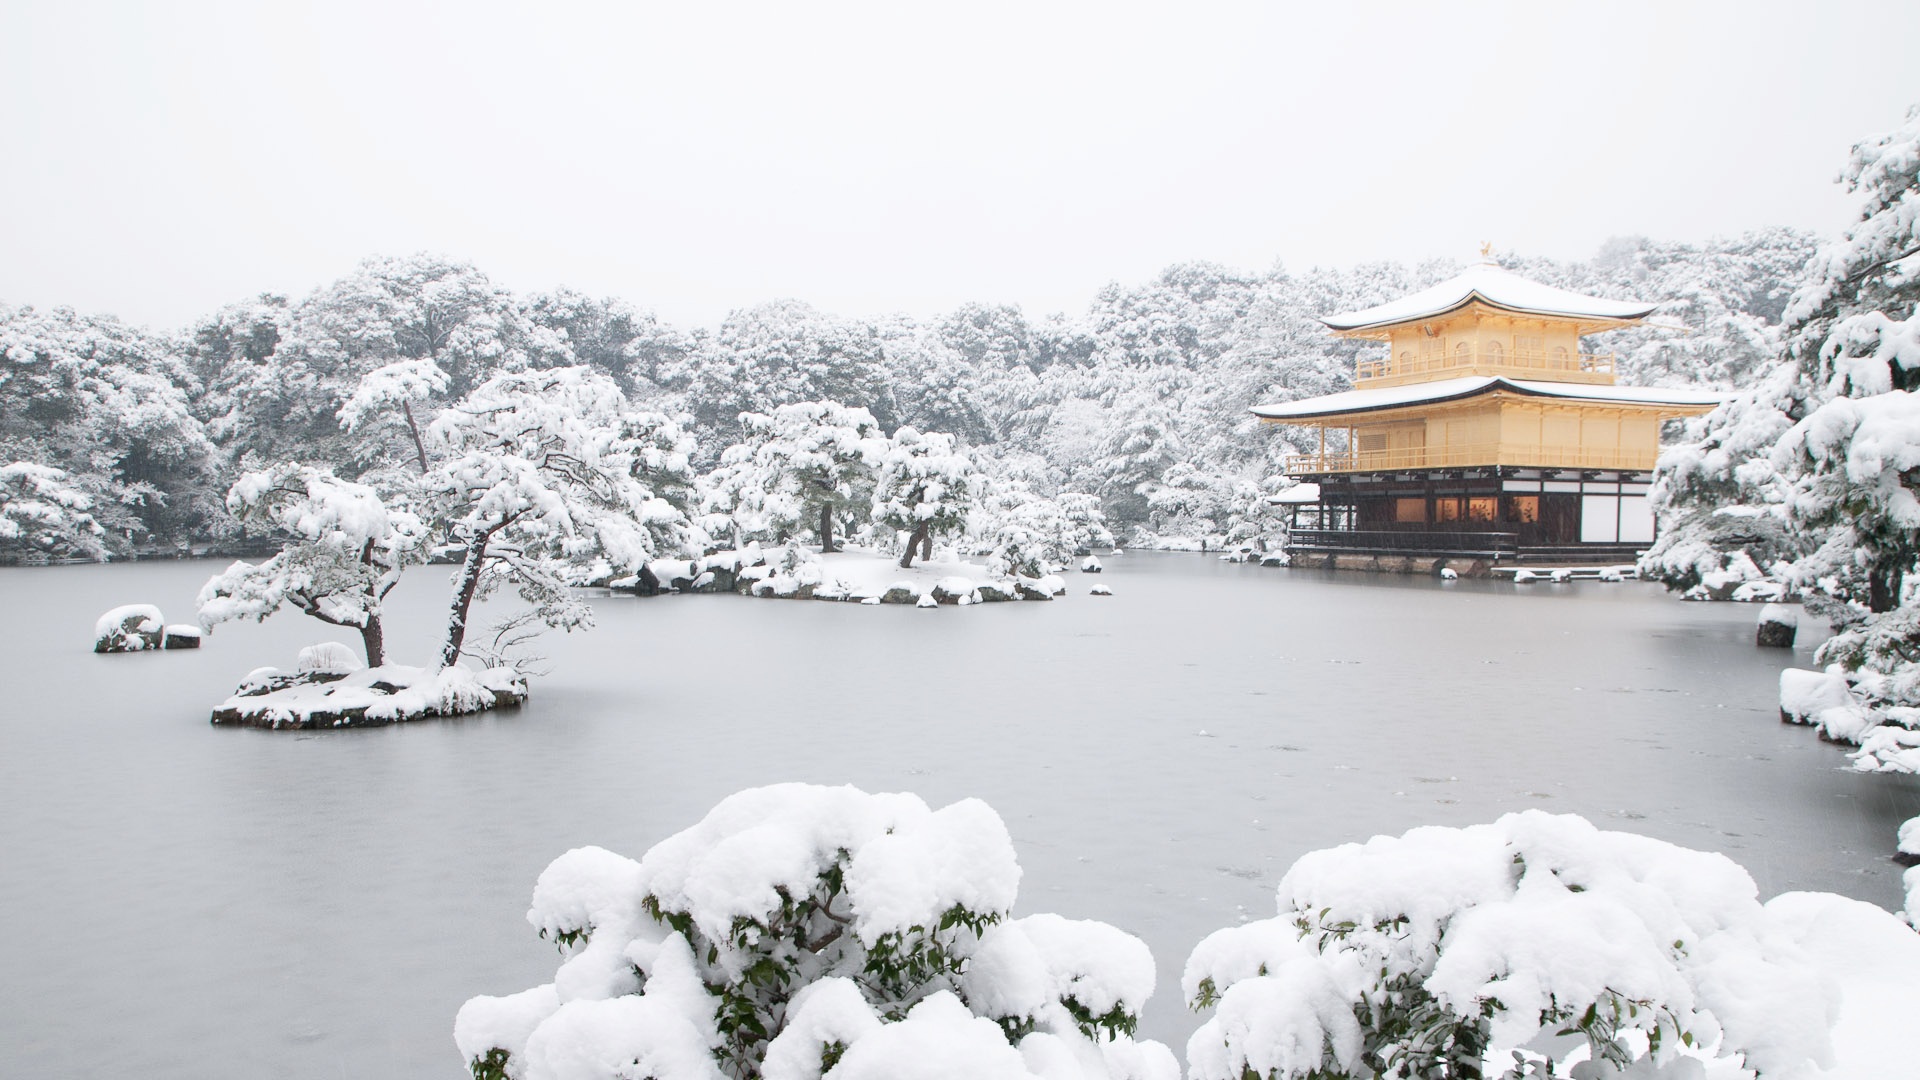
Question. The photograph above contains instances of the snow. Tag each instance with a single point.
(401, 693)
(1873, 957)
(1778, 615)
(1497, 286)
(863, 574)
(1024, 968)
(939, 1040)
(1444, 390)
(1535, 917)
(329, 658)
(129, 628)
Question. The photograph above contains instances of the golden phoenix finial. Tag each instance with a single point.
(1486, 249)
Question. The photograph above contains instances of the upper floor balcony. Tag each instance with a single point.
(1487, 358)
(1472, 455)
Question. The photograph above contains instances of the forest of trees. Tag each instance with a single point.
(124, 440)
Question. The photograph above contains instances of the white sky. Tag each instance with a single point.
(159, 160)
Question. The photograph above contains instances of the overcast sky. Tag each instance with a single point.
(159, 160)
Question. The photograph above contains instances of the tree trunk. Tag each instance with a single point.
(826, 528)
(419, 447)
(1883, 589)
(913, 544)
(463, 599)
(373, 639)
(926, 543)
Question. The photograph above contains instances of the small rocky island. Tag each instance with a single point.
(332, 689)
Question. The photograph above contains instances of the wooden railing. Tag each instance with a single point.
(1468, 455)
(1562, 366)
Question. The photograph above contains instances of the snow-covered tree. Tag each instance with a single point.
(801, 932)
(799, 467)
(42, 515)
(397, 385)
(924, 486)
(781, 353)
(1444, 952)
(346, 546)
(537, 478)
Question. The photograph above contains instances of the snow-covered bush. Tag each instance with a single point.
(807, 932)
(1444, 951)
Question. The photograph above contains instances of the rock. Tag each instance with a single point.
(1804, 695)
(1091, 566)
(181, 636)
(1029, 589)
(129, 628)
(953, 590)
(329, 658)
(900, 593)
(1054, 584)
(1274, 559)
(1561, 577)
(1448, 573)
(870, 600)
(1776, 628)
(1525, 577)
(1099, 590)
(714, 580)
(996, 592)
(927, 600)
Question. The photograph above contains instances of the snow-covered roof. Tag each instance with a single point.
(1443, 390)
(1496, 287)
(1298, 494)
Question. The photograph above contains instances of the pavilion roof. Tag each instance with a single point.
(1498, 288)
(1445, 390)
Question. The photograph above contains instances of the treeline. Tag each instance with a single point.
(1142, 400)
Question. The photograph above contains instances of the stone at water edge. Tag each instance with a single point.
(997, 592)
(1561, 577)
(181, 636)
(1448, 573)
(1029, 589)
(1099, 590)
(927, 600)
(899, 594)
(1091, 566)
(1776, 628)
(129, 628)
(1525, 577)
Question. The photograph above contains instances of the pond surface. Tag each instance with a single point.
(184, 901)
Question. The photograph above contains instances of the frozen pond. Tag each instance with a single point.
(184, 901)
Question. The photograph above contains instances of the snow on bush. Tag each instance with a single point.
(1441, 951)
(802, 931)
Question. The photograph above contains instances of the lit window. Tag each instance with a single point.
(1524, 509)
(1410, 510)
(1447, 509)
(1482, 509)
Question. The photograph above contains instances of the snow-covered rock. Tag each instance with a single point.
(1448, 573)
(1525, 577)
(1091, 566)
(181, 636)
(1825, 700)
(926, 600)
(1100, 590)
(1776, 627)
(129, 628)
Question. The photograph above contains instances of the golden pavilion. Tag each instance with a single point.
(1484, 431)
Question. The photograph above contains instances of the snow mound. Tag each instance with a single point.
(328, 658)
